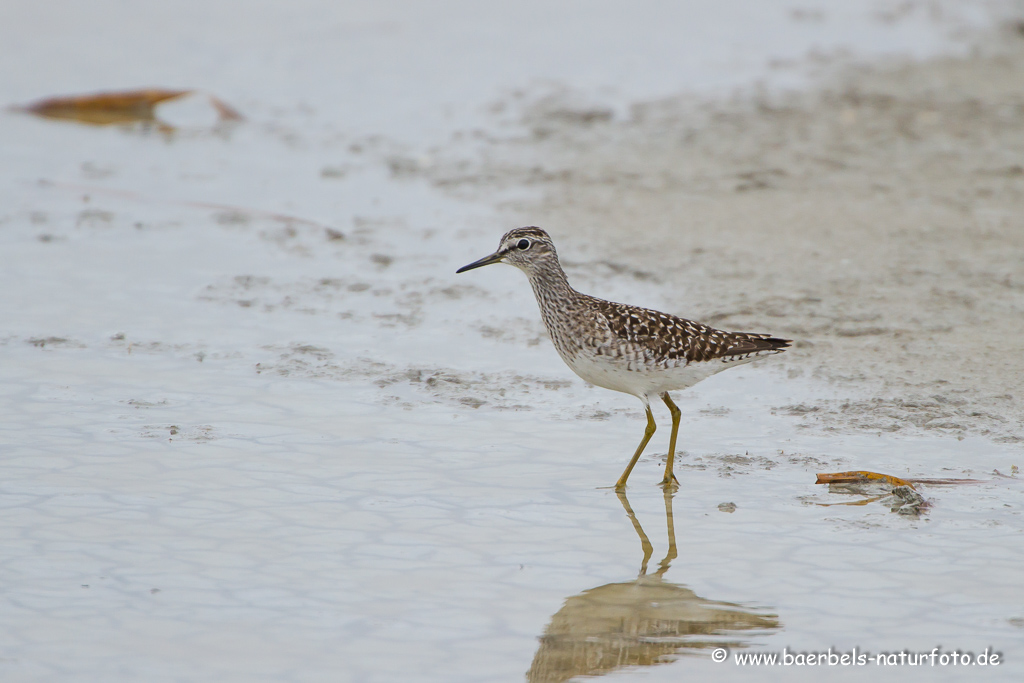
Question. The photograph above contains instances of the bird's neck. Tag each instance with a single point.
(550, 286)
(557, 300)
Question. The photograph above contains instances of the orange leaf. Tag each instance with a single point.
(860, 477)
(105, 108)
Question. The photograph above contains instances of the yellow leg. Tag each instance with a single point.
(670, 479)
(648, 433)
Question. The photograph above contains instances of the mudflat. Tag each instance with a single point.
(877, 219)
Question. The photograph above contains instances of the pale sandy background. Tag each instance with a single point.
(254, 428)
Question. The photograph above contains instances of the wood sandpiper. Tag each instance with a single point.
(625, 348)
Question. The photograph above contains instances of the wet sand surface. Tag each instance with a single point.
(876, 220)
(254, 428)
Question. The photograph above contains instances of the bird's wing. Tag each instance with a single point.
(667, 337)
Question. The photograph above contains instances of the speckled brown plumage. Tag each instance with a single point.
(625, 348)
(667, 338)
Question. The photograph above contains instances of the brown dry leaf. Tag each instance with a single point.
(902, 498)
(860, 477)
(124, 107)
(105, 108)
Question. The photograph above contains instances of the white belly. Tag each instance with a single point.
(650, 381)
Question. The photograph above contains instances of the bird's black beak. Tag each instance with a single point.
(485, 261)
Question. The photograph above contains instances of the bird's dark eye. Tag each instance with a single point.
(523, 244)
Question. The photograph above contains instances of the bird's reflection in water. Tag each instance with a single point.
(640, 622)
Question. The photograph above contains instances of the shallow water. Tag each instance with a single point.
(255, 428)
(159, 527)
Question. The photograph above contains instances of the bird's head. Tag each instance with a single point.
(528, 249)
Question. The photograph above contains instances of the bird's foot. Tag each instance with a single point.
(670, 483)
